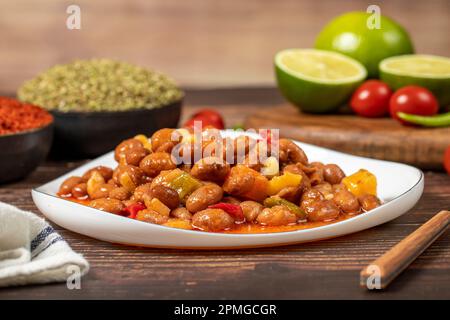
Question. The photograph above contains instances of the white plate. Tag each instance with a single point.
(399, 186)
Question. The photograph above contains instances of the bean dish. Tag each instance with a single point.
(218, 193)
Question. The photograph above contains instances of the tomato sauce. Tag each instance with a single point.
(244, 228)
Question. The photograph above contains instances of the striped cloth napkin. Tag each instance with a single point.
(32, 252)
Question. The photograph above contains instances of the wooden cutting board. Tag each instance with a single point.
(376, 138)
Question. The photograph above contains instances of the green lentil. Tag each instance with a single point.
(99, 85)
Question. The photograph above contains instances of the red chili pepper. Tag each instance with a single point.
(233, 210)
(133, 209)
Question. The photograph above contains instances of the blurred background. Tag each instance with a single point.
(200, 43)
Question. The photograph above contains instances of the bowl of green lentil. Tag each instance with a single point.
(99, 102)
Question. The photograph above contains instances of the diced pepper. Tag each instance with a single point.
(255, 190)
(233, 210)
(287, 179)
(277, 201)
(156, 205)
(184, 184)
(133, 209)
(179, 223)
(361, 182)
(258, 192)
(95, 181)
(127, 182)
(145, 141)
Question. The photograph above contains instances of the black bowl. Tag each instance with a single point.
(22, 152)
(90, 134)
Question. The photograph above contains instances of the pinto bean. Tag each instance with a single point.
(80, 191)
(212, 220)
(238, 181)
(210, 169)
(120, 193)
(101, 191)
(325, 189)
(369, 202)
(125, 146)
(276, 216)
(181, 213)
(105, 172)
(289, 152)
(141, 191)
(134, 156)
(203, 197)
(291, 194)
(316, 177)
(312, 195)
(156, 162)
(309, 197)
(66, 187)
(333, 174)
(323, 210)
(161, 139)
(151, 216)
(251, 209)
(166, 195)
(128, 176)
(108, 205)
(230, 199)
(345, 200)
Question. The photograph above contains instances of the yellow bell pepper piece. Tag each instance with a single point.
(287, 179)
(94, 182)
(156, 205)
(145, 141)
(361, 182)
(178, 223)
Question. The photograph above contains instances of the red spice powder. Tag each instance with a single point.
(16, 116)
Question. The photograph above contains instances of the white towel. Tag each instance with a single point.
(32, 252)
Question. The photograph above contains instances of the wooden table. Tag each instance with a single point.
(326, 269)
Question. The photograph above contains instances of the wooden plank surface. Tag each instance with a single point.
(376, 138)
(326, 269)
(198, 42)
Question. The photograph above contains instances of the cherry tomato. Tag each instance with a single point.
(447, 160)
(413, 100)
(371, 99)
(213, 116)
(208, 117)
(206, 122)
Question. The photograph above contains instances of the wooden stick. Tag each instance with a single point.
(383, 270)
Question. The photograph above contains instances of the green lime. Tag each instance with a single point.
(431, 72)
(356, 35)
(317, 81)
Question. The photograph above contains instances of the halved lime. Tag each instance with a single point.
(431, 72)
(317, 81)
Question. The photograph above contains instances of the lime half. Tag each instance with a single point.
(431, 72)
(317, 81)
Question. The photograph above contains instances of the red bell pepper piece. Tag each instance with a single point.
(133, 209)
(233, 210)
(266, 135)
